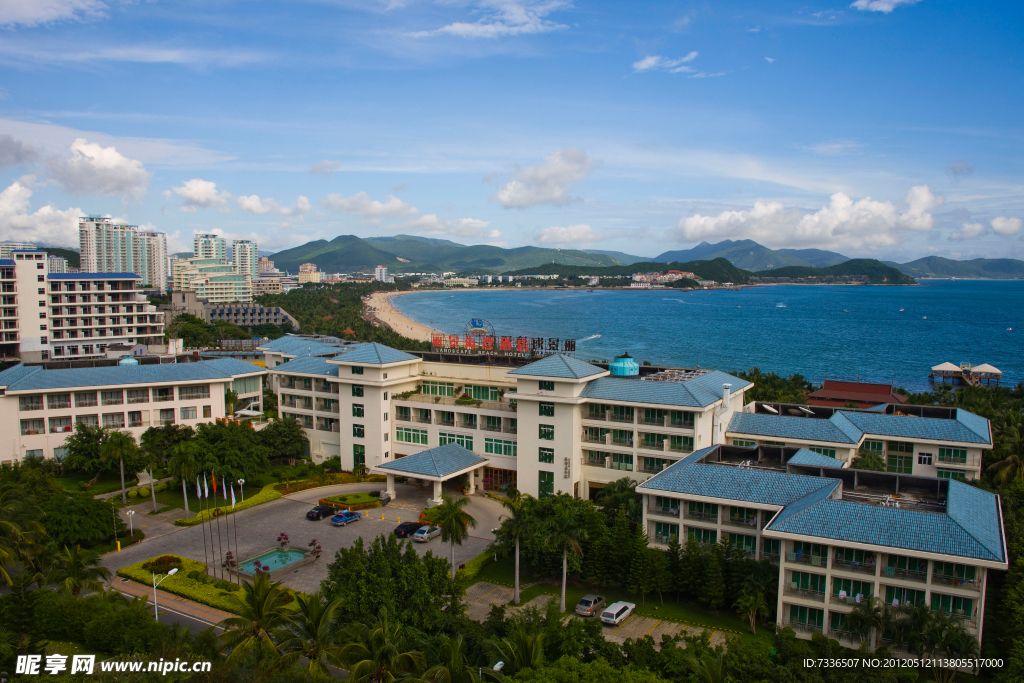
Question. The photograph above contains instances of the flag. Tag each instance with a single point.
(206, 489)
(213, 478)
(199, 491)
(232, 496)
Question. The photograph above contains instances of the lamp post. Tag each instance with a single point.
(241, 483)
(131, 524)
(156, 614)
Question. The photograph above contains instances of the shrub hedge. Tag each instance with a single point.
(182, 585)
(473, 567)
(266, 494)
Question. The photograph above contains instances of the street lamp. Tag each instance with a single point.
(241, 483)
(156, 614)
(131, 524)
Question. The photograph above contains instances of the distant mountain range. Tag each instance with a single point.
(409, 253)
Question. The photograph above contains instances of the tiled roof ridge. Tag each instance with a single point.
(954, 517)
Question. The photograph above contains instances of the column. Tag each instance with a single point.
(471, 489)
(437, 490)
(391, 486)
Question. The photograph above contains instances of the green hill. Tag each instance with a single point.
(73, 257)
(719, 270)
(819, 258)
(878, 272)
(745, 254)
(344, 253)
(937, 266)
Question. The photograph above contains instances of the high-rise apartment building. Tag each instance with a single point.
(243, 256)
(56, 264)
(209, 246)
(109, 247)
(265, 264)
(153, 246)
(6, 248)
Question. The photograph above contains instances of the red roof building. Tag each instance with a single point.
(837, 394)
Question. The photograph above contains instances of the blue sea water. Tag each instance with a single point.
(877, 334)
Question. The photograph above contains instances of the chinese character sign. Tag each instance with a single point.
(454, 343)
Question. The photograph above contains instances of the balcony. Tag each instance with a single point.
(423, 419)
(804, 558)
(403, 418)
(844, 636)
(652, 470)
(512, 430)
(805, 593)
(325, 427)
(905, 574)
(157, 398)
(771, 557)
(605, 440)
(956, 582)
(139, 399)
(452, 401)
(652, 421)
(490, 428)
(663, 511)
(848, 601)
(866, 567)
(703, 517)
(657, 446)
(626, 419)
(136, 423)
(116, 401)
(801, 627)
(58, 405)
(445, 421)
(747, 524)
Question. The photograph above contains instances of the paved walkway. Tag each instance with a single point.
(207, 615)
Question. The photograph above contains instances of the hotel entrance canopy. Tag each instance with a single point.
(436, 464)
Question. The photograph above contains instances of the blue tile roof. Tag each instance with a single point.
(812, 459)
(976, 511)
(435, 462)
(92, 276)
(309, 365)
(374, 354)
(964, 429)
(975, 423)
(699, 392)
(6, 262)
(35, 378)
(783, 427)
(559, 365)
(303, 346)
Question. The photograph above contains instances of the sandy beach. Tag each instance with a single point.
(379, 306)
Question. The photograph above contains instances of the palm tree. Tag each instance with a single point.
(520, 649)
(76, 569)
(621, 492)
(262, 613)
(447, 661)
(19, 526)
(753, 606)
(313, 636)
(709, 668)
(517, 527)
(374, 653)
(948, 636)
(453, 520)
(1011, 467)
(184, 465)
(872, 618)
(117, 446)
(565, 533)
(230, 399)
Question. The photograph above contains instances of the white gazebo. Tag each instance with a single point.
(436, 464)
(987, 372)
(947, 369)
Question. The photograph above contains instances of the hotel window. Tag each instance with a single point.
(747, 544)
(702, 535)
(953, 455)
(654, 416)
(357, 370)
(682, 444)
(113, 420)
(951, 474)
(771, 546)
(193, 393)
(547, 455)
(207, 411)
(91, 420)
(547, 409)
(622, 437)
(953, 605)
(904, 596)
(358, 431)
(682, 418)
(655, 442)
(703, 511)
(188, 413)
(901, 464)
(546, 386)
(359, 454)
(492, 423)
(163, 394)
(953, 574)
(167, 416)
(872, 446)
(138, 395)
(547, 432)
(60, 424)
(438, 389)
(622, 414)
(408, 435)
(501, 447)
(307, 384)
(357, 410)
(545, 484)
(30, 402)
(357, 389)
(58, 401)
(597, 411)
(463, 440)
(622, 461)
(854, 588)
(654, 465)
(745, 516)
(900, 447)
(135, 418)
(924, 458)
(403, 413)
(112, 398)
(664, 532)
(483, 393)
(829, 452)
(468, 421)
(32, 427)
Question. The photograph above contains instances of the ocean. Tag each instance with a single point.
(876, 334)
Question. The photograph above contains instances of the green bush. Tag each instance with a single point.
(473, 567)
(163, 564)
(266, 494)
(194, 574)
(143, 491)
(375, 494)
(133, 493)
(233, 588)
(222, 584)
(184, 586)
(161, 487)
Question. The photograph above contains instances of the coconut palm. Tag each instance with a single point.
(19, 526)
(1011, 467)
(948, 637)
(117, 446)
(313, 636)
(184, 464)
(709, 667)
(872, 618)
(752, 605)
(453, 520)
(374, 653)
(230, 400)
(447, 661)
(516, 527)
(262, 612)
(520, 649)
(76, 570)
(619, 493)
(565, 533)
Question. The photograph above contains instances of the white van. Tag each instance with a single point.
(617, 613)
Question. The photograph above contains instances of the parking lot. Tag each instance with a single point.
(259, 527)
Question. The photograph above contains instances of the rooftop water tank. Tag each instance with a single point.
(127, 360)
(624, 366)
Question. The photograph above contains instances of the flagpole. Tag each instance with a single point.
(202, 524)
(220, 543)
(235, 522)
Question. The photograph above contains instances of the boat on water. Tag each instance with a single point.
(780, 305)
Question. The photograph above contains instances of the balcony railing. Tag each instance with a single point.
(905, 574)
(849, 600)
(56, 429)
(445, 422)
(336, 427)
(620, 418)
(490, 428)
(843, 635)
(804, 558)
(806, 593)
(452, 401)
(59, 405)
(749, 524)
(867, 567)
(658, 446)
(512, 430)
(771, 557)
(703, 516)
(403, 418)
(663, 511)
(157, 398)
(651, 421)
(117, 401)
(138, 399)
(803, 628)
(955, 582)
(135, 423)
(605, 440)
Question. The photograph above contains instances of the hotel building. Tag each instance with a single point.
(41, 402)
(108, 247)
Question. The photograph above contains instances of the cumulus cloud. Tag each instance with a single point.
(102, 171)
(15, 13)
(14, 152)
(968, 231)
(958, 169)
(504, 18)
(653, 62)
(460, 227)
(573, 234)
(202, 194)
(325, 167)
(47, 225)
(1006, 226)
(884, 6)
(548, 182)
(361, 204)
(253, 204)
(843, 223)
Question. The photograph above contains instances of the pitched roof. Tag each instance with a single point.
(373, 354)
(976, 511)
(309, 365)
(698, 392)
(559, 365)
(290, 345)
(812, 459)
(36, 378)
(435, 462)
(786, 427)
(966, 428)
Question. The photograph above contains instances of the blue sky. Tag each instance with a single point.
(884, 128)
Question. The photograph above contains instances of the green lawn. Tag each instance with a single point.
(108, 481)
(354, 498)
(172, 497)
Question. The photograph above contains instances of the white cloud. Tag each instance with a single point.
(1006, 226)
(505, 18)
(325, 167)
(35, 12)
(653, 62)
(548, 182)
(461, 227)
(253, 204)
(15, 152)
(884, 6)
(48, 225)
(968, 232)
(865, 224)
(53, 52)
(770, 60)
(573, 234)
(203, 194)
(103, 171)
(836, 147)
(361, 204)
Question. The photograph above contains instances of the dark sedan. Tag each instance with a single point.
(407, 529)
(320, 511)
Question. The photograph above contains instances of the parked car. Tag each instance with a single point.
(425, 533)
(407, 529)
(321, 511)
(589, 605)
(344, 517)
(617, 613)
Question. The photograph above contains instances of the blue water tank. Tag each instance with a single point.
(127, 360)
(625, 366)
